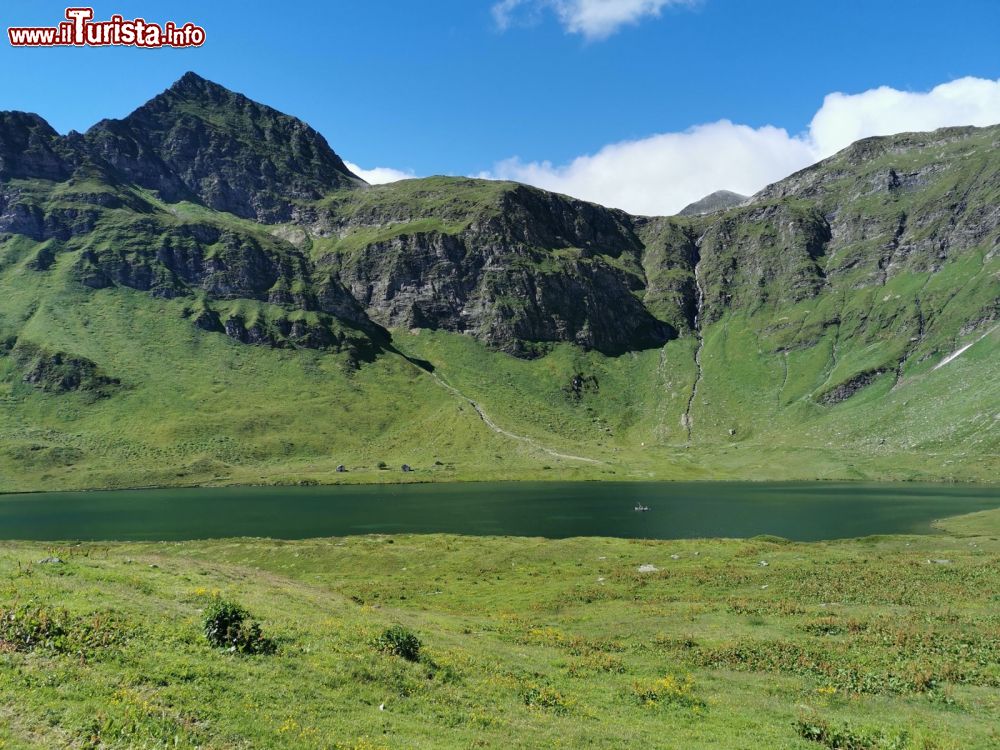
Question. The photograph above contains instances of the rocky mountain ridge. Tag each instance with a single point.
(333, 262)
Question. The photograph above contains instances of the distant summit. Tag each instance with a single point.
(720, 200)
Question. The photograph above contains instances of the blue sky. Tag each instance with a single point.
(465, 86)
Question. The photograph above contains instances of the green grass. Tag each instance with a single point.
(230, 413)
(522, 643)
(447, 198)
(983, 523)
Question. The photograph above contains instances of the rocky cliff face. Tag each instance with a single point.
(30, 148)
(763, 255)
(516, 267)
(212, 264)
(671, 253)
(902, 202)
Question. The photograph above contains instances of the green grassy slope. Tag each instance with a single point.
(197, 407)
(891, 641)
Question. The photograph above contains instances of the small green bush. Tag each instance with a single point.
(32, 626)
(399, 641)
(546, 698)
(668, 691)
(228, 625)
(596, 664)
(28, 627)
(846, 738)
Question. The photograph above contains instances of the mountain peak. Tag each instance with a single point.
(720, 200)
(193, 87)
(199, 139)
(190, 79)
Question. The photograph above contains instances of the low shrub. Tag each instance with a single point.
(546, 698)
(32, 626)
(668, 691)
(832, 626)
(399, 641)
(837, 666)
(29, 626)
(848, 738)
(228, 625)
(595, 664)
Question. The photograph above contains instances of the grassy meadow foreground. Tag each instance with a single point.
(882, 642)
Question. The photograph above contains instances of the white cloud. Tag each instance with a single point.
(663, 173)
(845, 118)
(380, 175)
(594, 19)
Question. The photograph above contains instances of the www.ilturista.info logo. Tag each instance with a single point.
(80, 30)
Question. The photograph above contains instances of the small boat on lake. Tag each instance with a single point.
(640, 508)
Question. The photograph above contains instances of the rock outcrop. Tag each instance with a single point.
(520, 268)
(59, 372)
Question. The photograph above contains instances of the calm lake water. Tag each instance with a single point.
(803, 511)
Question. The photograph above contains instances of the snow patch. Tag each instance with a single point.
(959, 352)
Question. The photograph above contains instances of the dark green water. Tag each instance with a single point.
(805, 511)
